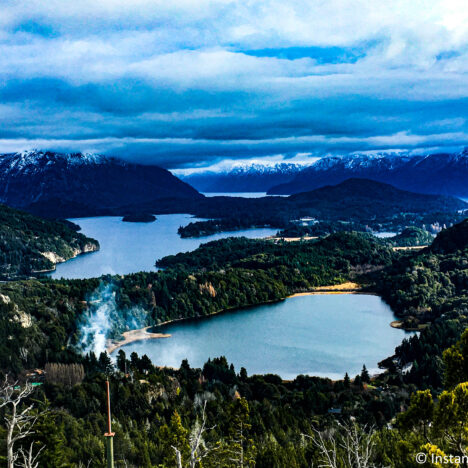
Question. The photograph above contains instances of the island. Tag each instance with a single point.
(139, 218)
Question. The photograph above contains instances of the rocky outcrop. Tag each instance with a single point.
(17, 315)
(56, 258)
(207, 288)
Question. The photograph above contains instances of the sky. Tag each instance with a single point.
(190, 83)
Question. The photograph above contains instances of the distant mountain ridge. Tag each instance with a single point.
(77, 184)
(244, 178)
(369, 203)
(359, 197)
(444, 173)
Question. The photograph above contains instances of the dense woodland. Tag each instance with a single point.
(363, 203)
(24, 237)
(262, 419)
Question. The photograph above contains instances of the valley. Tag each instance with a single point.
(234, 234)
(227, 306)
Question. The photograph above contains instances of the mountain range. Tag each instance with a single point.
(52, 184)
(243, 178)
(55, 185)
(445, 173)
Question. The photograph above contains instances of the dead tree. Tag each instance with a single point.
(19, 421)
(346, 445)
(178, 457)
(29, 460)
(65, 374)
(198, 447)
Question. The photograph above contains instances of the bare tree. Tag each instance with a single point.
(346, 445)
(198, 447)
(19, 421)
(178, 457)
(66, 374)
(29, 459)
(82, 465)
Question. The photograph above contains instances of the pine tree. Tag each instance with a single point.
(122, 361)
(175, 440)
(105, 363)
(241, 450)
(365, 377)
(347, 381)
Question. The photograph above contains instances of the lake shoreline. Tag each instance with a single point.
(142, 334)
(133, 336)
(304, 318)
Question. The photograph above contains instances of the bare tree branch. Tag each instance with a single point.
(19, 421)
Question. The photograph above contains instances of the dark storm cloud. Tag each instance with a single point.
(195, 82)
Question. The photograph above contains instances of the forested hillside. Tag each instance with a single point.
(29, 244)
(220, 275)
(363, 203)
(429, 291)
(269, 422)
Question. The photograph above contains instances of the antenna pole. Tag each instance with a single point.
(109, 435)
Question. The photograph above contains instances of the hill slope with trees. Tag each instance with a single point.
(267, 421)
(29, 244)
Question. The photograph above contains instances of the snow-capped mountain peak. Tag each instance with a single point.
(31, 161)
(442, 173)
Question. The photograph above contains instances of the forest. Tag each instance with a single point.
(24, 238)
(418, 404)
(366, 204)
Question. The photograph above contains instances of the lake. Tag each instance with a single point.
(240, 194)
(236, 194)
(323, 335)
(132, 247)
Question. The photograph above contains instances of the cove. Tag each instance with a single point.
(320, 334)
(133, 247)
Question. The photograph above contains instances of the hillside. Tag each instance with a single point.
(72, 185)
(410, 237)
(423, 287)
(452, 240)
(435, 173)
(369, 203)
(29, 244)
(165, 402)
(363, 198)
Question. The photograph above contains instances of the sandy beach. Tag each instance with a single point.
(132, 336)
(292, 239)
(143, 333)
(344, 288)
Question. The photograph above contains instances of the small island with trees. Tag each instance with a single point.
(139, 218)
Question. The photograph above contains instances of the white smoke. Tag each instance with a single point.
(105, 317)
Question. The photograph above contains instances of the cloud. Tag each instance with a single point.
(190, 83)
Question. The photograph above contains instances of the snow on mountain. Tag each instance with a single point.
(36, 159)
(444, 173)
(43, 181)
(243, 177)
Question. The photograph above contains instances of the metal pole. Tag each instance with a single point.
(109, 435)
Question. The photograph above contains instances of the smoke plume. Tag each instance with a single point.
(106, 320)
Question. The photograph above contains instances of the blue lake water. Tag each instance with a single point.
(240, 194)
(323, 335)
(132, 247)
(236, 194)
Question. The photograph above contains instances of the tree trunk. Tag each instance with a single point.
(11, 425)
